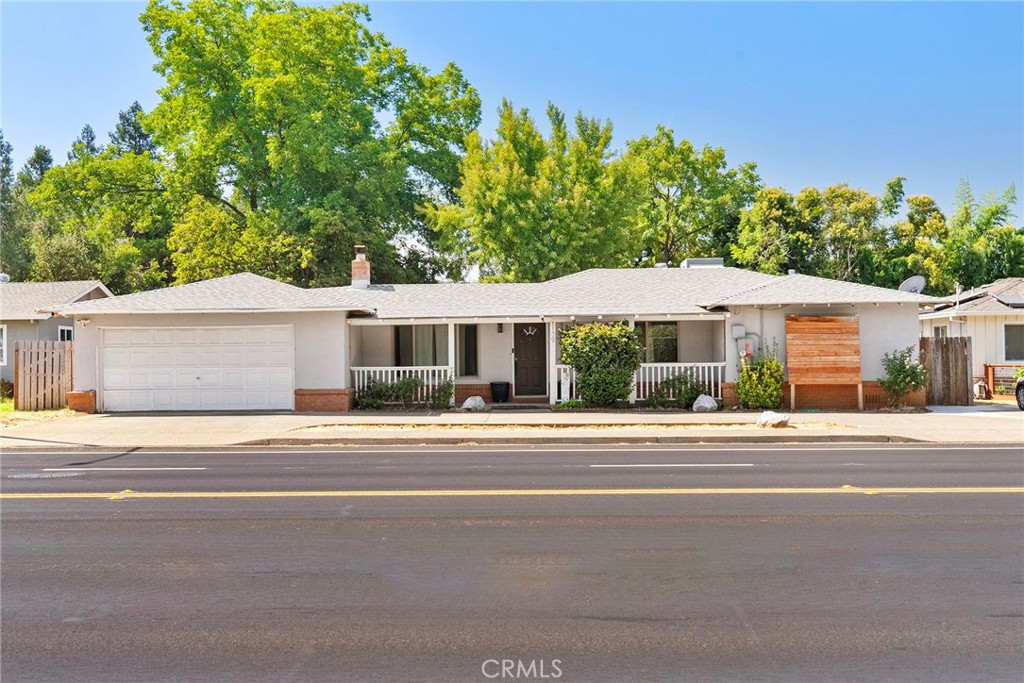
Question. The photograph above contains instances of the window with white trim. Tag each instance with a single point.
(940, 331)
(1013, 337)
(65, 333)
(3, 344)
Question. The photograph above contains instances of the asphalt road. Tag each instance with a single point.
(843, 564)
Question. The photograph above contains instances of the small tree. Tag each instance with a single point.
(903, 375)
(605, 357)
(760, 382)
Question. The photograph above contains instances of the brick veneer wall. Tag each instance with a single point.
(464, 391)
(831, 396)
(82, 401)
(324, 400)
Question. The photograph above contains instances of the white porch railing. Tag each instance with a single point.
(430, 376)
(649, 376)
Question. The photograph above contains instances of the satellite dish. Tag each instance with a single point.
(913, 284)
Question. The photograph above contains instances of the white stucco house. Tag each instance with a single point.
(244, 342)
(25, 313)
(993, 317)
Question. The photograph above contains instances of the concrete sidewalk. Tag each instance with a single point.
(992, 424)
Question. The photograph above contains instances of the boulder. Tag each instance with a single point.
(772, 419)
(704, 404)
(474, 404)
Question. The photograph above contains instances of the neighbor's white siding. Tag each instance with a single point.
(320, 342)
(883, 328)
(988, 338)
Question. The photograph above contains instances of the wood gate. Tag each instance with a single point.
(42, 375)
(948, 360)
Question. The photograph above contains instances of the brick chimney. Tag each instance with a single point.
(360, 269)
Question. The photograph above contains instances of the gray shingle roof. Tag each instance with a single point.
(610, 292)
(241, 292)
(24, 300)
(994, 298)
(807, 289)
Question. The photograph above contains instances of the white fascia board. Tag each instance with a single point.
(26, 316)
(221, 311)
(953, 313)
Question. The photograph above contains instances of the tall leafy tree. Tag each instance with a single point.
(303, 115)
(532, 208)
(773, 235)
(692, 198)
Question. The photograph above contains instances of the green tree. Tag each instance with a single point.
(41, 161)
(692, 200)
(532, 209)
(773, 236)
(129, 136)
(116, 204)
(846, 221)
(84, 144)
(275, 110)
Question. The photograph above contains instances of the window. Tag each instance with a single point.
(659, 341)
(940, 331)
(421, 345)
(3, 344)
(65, 333)
(467, 351)
(1014, 338)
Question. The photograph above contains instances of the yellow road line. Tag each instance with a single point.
(483, 493)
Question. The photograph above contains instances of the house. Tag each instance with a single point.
(993, 317)
(244, 342)
(24, 316)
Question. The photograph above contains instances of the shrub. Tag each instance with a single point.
(759, 385)
(441, 397)
(605, 357)
(684, 386)
(405, 390)
(902, 375)
(1019, 373)
(374, 395)
(6, 388)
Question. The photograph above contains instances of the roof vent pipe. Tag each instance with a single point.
(661, 265)
(360, 269)
(792, 271)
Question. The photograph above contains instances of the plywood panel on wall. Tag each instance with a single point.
(823, 349)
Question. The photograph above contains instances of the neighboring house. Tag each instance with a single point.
(22, 317)
(245, 342)
(993, 317)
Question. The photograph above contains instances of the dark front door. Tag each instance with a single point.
(531, 359)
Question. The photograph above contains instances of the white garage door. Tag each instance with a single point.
(197, 368)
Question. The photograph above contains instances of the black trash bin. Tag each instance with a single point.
(499, 391)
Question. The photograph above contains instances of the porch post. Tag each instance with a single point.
(552, 361)
(632, 392)
(451, 358)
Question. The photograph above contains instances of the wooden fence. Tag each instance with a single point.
(948, 360)
(42, 375)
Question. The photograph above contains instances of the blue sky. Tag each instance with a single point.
(814, 93)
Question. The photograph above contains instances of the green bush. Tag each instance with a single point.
(760, 382)
(903, 375)
(605, 357)
(374, 395)
(6, 388)
(442, 394)
(684, 386)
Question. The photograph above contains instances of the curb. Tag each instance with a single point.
(576, 440)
